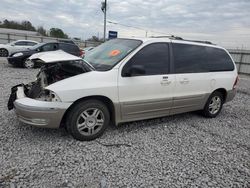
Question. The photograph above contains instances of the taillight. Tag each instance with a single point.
(236, 82)
(81, 53)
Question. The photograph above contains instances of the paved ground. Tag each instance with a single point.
(185, 150)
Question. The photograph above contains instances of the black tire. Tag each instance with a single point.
(208, 110)
(28, 64)
(4, 52)
(92, 130)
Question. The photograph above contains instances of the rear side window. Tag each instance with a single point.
(218, 60)
(63, 47)
(153, 57)
(196, 59)
(31, 43)
(189, 58)
(21, 43)
(68, 47)
(74, 48)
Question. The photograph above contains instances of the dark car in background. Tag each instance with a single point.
(20, 59)
(87, 50)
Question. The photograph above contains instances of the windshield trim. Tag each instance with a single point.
(87, 63)
(123, 57)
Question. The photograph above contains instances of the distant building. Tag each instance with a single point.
(15, 31)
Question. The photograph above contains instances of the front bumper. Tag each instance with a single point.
(16, 61)
(39, 113)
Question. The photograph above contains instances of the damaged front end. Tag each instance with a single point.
(52, 70)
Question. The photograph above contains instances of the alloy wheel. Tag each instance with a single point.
(214, 105)
(90, 121)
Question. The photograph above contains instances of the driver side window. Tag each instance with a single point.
(154, 58)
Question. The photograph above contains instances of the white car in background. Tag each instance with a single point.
(15, 46)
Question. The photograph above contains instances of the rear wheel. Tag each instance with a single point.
(214, 105)
(88, 120)
(4, 52)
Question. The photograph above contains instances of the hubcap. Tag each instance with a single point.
(214, 105)
(29, 64)
(90, 121)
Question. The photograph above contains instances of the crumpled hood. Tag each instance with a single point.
(54, 56)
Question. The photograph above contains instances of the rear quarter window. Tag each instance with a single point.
(197, 59)
(218, 60)
(69, 48)
(21, 43)
(31, 43)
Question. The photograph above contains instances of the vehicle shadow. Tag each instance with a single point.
(112, 130)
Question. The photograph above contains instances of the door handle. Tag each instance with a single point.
(165, 82)
(184, 81)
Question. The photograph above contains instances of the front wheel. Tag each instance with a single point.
(214, 105)
(88, 120)
(29, 64)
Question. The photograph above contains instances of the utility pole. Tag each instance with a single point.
(104, 10)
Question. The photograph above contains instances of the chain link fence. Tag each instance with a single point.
(242, 60)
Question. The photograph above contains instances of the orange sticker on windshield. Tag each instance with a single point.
(114, 53)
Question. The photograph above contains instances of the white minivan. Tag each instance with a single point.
(125, 80)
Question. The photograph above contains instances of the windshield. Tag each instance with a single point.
(108, 54)
(36, 46)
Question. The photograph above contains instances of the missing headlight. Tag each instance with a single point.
(50, 96)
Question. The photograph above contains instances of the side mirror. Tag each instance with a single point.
(38, 49)
(135, 70)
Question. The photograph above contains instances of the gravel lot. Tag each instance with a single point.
(184, 150)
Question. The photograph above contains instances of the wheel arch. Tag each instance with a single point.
(107, 101)
(223, 91)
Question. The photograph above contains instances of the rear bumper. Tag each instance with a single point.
(40, 113)
(230, 95)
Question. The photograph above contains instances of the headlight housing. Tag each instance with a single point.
(18, 54)
(50, 96)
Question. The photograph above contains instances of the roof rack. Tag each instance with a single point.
(179, 38)
(205, 42)
(168, 36)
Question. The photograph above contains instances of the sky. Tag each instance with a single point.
(224, 22)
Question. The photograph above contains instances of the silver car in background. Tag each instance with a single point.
(15, 46)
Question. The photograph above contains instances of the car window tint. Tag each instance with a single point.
(63, 47)
(31, 43)
(218, 60)
(189, 58)
(21, 43)
(153, 57)
(73, 48)
(49, 47)
(196, 59)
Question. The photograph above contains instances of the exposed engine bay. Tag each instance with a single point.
(51, 73)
